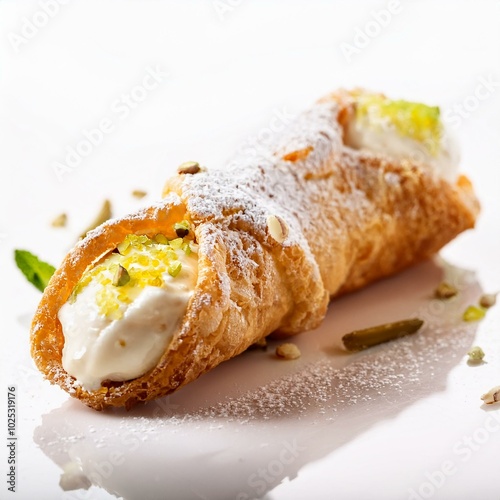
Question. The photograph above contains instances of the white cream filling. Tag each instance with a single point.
(97, 348)
(384, 139)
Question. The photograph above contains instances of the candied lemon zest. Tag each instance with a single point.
(411, 119)
(146, 260)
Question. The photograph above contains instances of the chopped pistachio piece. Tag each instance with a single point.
(139, 193)
(288, 351)
(488, 300)
(103, 215)
(187, 248)
(60, 221)
(182, 228)
(121, 276)
(176, 243)
(476, 354)
(161, 238)
(189, 167)
(368, 337)
(445, 291)
(174, 268)
(474, 313)
(492, 396)
(123, 246)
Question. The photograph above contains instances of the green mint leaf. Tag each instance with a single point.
(37, 272)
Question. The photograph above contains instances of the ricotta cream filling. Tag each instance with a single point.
(118, 333)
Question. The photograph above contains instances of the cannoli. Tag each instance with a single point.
(358, 188)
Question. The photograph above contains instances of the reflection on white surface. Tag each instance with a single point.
(240, 430)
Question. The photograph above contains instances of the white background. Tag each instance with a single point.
(227, 69)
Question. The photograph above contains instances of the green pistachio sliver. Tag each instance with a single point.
(445, 291)
(144, 240)
(474, 313)
(123, 247)
(176, 244)
(369, 337)
(171, 254)
(103, 215)
(161, 238)
(174, 268)
(488, 300)
(121, 277)
(476, 354)
(187, 249)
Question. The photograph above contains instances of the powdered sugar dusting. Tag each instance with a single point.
(395, 372)
(390, 372)
(257, 185)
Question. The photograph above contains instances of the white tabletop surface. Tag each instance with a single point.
(175, 81)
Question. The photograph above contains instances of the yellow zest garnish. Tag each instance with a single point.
(141, 262)
(411, 119)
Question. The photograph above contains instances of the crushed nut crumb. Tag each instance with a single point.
(476, 354)
(139, 193)
(277, 228)
(445, 291)
(492, 396)
(60, 221)
(288, 351)
(488, 300)
(189, 167)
